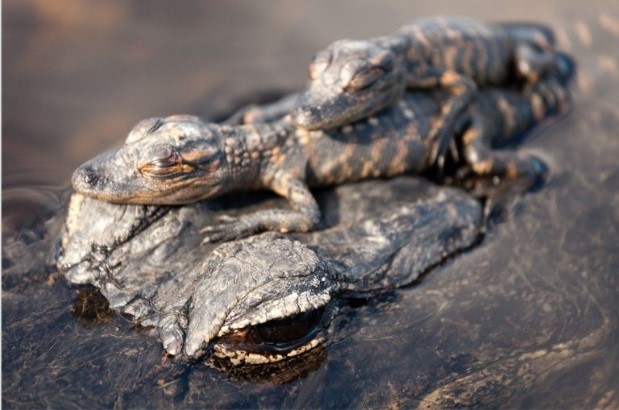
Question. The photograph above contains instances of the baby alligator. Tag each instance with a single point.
(350, 79)
(180, 159)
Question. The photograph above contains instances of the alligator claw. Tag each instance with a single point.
(227, 218)
(440, 140)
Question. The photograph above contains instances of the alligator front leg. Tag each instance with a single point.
(463, 90)
(304, 216)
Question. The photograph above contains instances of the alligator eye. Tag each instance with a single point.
(288, 330)
(279, 336)
(363, 79)
(160, 161)
(385, 62)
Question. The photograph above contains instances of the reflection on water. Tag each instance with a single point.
(526, 319)
(26, 205)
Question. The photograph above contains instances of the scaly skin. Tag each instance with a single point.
(351, 79)
(266, 298)
(180, 159)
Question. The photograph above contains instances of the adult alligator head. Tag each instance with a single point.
(269, 297)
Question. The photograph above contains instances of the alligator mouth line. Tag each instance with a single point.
(134, 196)
(240, 353)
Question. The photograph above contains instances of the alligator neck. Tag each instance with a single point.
(398, 44)
(251, 148)
(404, 50)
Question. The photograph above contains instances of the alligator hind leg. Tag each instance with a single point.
(531, 64)
(304, 216)
(506, 165)
(498, 176)
(535, 50)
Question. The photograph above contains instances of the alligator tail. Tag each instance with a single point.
(551, 95)
(535, 103)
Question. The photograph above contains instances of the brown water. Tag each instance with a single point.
(529, 318)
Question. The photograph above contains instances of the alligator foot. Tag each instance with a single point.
(227, 229)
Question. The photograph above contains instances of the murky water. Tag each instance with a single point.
(529, 318)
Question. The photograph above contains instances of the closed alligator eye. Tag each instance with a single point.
(365, 78)
(160, 161)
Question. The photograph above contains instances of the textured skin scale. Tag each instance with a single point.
(351, 79)
(202, 300)
(210, 160)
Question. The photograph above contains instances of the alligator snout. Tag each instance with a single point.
(305, 116)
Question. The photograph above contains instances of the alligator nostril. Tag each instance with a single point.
(86, 176)
(312, 112)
